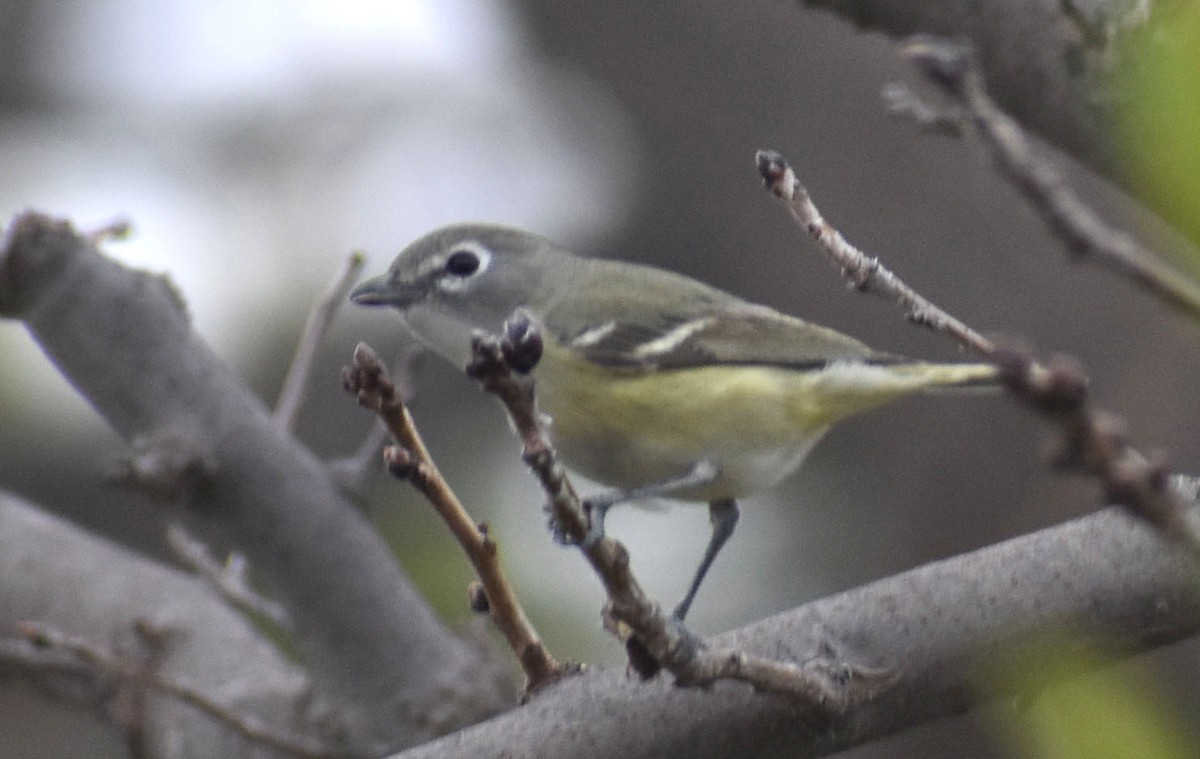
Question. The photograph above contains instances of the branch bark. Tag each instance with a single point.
(123, 339)
(941, 632)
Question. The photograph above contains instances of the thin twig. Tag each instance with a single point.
(864, 272)
(354, 471)
(651, 639)
(1087, 237)
(128, 673)
(901, 101)
(292, 395)
(409, 459)
(228, 579)
(1093, 442)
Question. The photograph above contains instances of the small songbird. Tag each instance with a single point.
(657, 384)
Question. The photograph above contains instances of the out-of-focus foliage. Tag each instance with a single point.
(1113, 713)
(1161, 120)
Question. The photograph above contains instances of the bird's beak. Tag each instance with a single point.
(381, 291)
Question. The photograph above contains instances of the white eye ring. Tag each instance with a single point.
(465, 263)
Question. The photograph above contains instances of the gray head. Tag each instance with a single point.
(461, 278)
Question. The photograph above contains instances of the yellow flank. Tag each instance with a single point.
(755, 423)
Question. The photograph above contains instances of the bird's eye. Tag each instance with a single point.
(462, 263)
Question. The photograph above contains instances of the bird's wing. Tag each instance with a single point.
(627, 326)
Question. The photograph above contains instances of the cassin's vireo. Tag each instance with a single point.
(657, 384)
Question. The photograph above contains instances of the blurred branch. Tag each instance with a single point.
(902, 102)
(228, 579)
(1092, 441)
(353, 472)
(1045, 63)
(946, 628)
(126, 674)
(368, 379)
(291, 397)
(120, 336)
(1085, 235)
(60, 576)
(118, 229)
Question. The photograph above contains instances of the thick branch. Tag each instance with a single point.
(942, 629)
(122, 338)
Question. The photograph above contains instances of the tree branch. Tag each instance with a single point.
(864, 272)
(944, 629)
(1045, 69)
(1093, 441)
(128, 674)
(122, 338)
(228, 579)
(1085, 235)
(292, 395)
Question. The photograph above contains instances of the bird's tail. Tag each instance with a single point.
(823, 397)
(953, 377)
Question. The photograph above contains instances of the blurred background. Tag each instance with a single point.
(255, 144)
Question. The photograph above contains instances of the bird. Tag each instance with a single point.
(656, 384)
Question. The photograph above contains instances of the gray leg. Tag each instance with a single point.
(597, 506)
(723, 515)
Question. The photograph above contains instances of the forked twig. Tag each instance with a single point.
(368, 379)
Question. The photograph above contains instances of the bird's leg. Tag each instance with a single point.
(723, 514)
(702, 473)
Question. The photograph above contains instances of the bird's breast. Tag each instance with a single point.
(629, 429)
